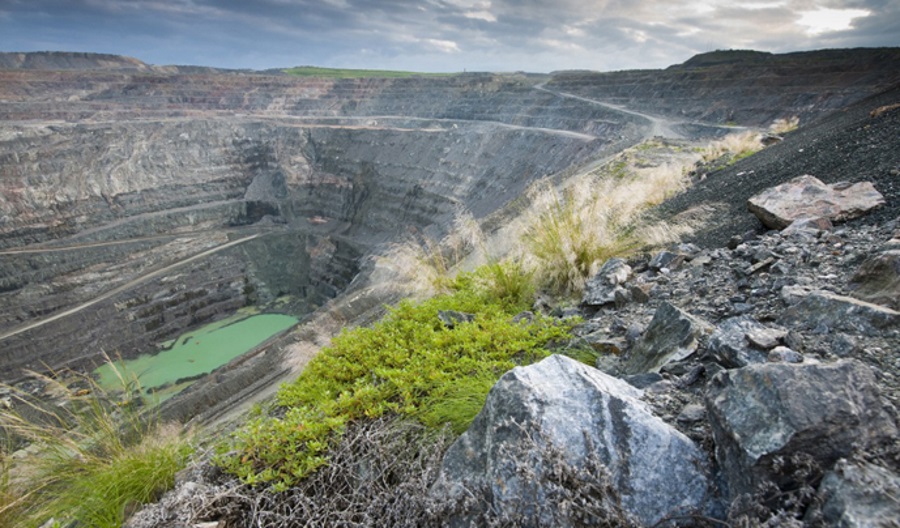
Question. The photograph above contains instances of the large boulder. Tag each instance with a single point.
(601, 288)
(878, 279)
(763, 414)
(808, 197)
(557, 414)
(672, 335)
(825, 311)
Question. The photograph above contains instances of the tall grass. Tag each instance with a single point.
(736, 146)
(784, 125)
(91, 455)
(571, 232)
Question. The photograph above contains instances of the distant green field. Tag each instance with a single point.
(337, 73)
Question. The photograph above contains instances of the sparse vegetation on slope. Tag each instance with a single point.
(409, 364)
(92, 456)
(570, 233)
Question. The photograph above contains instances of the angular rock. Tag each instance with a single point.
(783, 354)
(672, 335)
(729, 345)
(860, 495)
(762, 412)
(666, 259)
(561, 406)
(766, 338)
(807, 197)
(601, 289)
(830, 311)
(878, 280)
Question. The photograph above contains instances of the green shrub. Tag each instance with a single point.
(92, 455)
(408, 364)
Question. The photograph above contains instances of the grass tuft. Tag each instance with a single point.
(735, 146)
(570, 233)
(782, 126)
(91, 456)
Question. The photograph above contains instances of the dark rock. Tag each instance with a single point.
(601, 288)
(878, 280)
(672, 335)
(860, 495)
(563, 406)
(782, 354)
(762, 413)
(729, 346)
(642, 381)
(525, 317)
(807, 197)
(639, 293)
(844, 345)
(451, 318)
(621, 297)
(666, 259)
(836, 312)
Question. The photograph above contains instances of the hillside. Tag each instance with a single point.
(139, 204)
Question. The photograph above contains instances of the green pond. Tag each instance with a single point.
(195, 353)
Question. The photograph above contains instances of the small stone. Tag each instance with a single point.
(601, 289)
(691, 413)
(666, 259)
(525, 317)
(639, 293)
(452, 318)
(783, 354)
(766, 338)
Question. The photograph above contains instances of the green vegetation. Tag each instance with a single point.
(339, 73)
(91, 455)
(409, 365)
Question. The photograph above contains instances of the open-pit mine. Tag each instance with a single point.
(141, 204)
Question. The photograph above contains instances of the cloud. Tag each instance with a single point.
(443, 35)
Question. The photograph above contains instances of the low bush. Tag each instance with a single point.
(409, 364)
(91, 455)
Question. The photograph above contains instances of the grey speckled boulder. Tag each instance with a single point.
(579, 412)
(762, 412)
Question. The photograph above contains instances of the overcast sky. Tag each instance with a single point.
(441, 35)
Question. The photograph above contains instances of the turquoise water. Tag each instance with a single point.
(196, 352)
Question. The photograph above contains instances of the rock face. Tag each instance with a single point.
(560, 404)
(672, 335)
(807, 197)
(761, 415)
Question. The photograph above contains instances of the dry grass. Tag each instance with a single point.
(782, 126)
(568, 234)
(736, 146)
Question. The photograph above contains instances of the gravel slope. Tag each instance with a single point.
(848, 145)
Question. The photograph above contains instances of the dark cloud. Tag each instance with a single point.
(448, 35)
